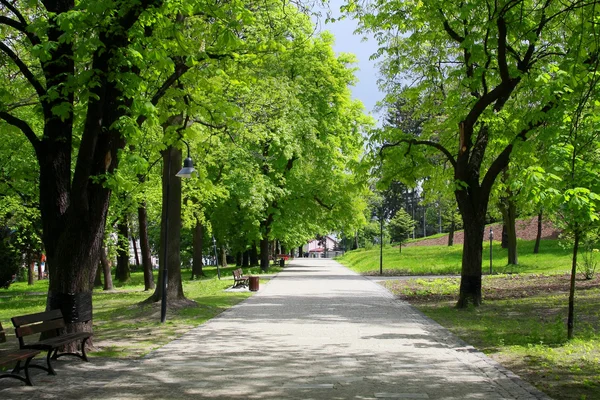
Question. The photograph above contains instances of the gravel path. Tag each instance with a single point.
(316, 331)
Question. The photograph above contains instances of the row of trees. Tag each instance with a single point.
(95, 94)
(492, 96)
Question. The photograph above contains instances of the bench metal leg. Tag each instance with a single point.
(15, 371)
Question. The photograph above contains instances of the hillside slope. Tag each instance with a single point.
(526, 230)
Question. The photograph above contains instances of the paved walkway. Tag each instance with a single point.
(316, 331)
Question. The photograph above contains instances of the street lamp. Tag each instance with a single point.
(216, 258)
(491, 237)
(186, 172)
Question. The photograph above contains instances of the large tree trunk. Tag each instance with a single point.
(571, 316)
(300, 254)
(246, 259)
(198, 240)
(264, 242)
(538, 237)
(238, 259)
(264, 254)
(170, 230)
(145, 248)
(108, 283)
(253, 255)
(123, 273)
(470, 283)
(98, 278)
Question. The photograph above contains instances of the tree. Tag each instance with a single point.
(477, 65)
(400, 227)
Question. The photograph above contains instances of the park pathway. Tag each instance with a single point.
(316, 331)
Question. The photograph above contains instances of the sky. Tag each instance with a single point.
(346, 41)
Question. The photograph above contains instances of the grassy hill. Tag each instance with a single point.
(444, 260)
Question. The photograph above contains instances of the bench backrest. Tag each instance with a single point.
(237, 273)
(47, 321)
(2, 334)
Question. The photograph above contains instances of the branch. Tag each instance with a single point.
(429, 143)
(180, 69)
(320, 202)
(503, 158)
(451, 31)
(502, 64)
(24, 70)
(23, 126)
(20, 26)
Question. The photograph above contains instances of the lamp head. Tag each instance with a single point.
(187, 170)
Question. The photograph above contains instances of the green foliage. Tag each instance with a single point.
(401, 226)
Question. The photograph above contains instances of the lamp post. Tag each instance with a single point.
(381, 242)
(491, 237)
(216, 258)
(186, 172)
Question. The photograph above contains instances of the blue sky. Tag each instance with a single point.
(346, 41)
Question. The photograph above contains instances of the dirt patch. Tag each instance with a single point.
(526, 230)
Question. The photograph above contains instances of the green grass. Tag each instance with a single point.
(123, 326)
(444, 260)
(522, 324)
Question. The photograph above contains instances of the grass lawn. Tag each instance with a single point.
(444, 260)
(522, 325)
(123, 327)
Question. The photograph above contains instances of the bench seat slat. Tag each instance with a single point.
(58, 341)
(9, 357)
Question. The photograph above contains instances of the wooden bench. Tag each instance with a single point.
(14, 357)
(48, 323)
(239, 279)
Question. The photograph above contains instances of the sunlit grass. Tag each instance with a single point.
(445, 260)
(126, 327)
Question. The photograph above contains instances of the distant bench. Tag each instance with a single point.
(14, 357)
(49, 323)
(239, 279)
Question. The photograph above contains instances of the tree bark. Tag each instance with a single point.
(108, 283)
(253, 255)
(135, 250)
(171, 237)
(504, 237)
(98, 278)
(538, 237)
(30, 268)
(238, 259)
(246, 259)
(145, 247)
(470, 283)
(300, 254)
(198, 240)
(508, 207)
(571, 317)
(264, 254)
(123, 273)
(223, 258)
(451, 233)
